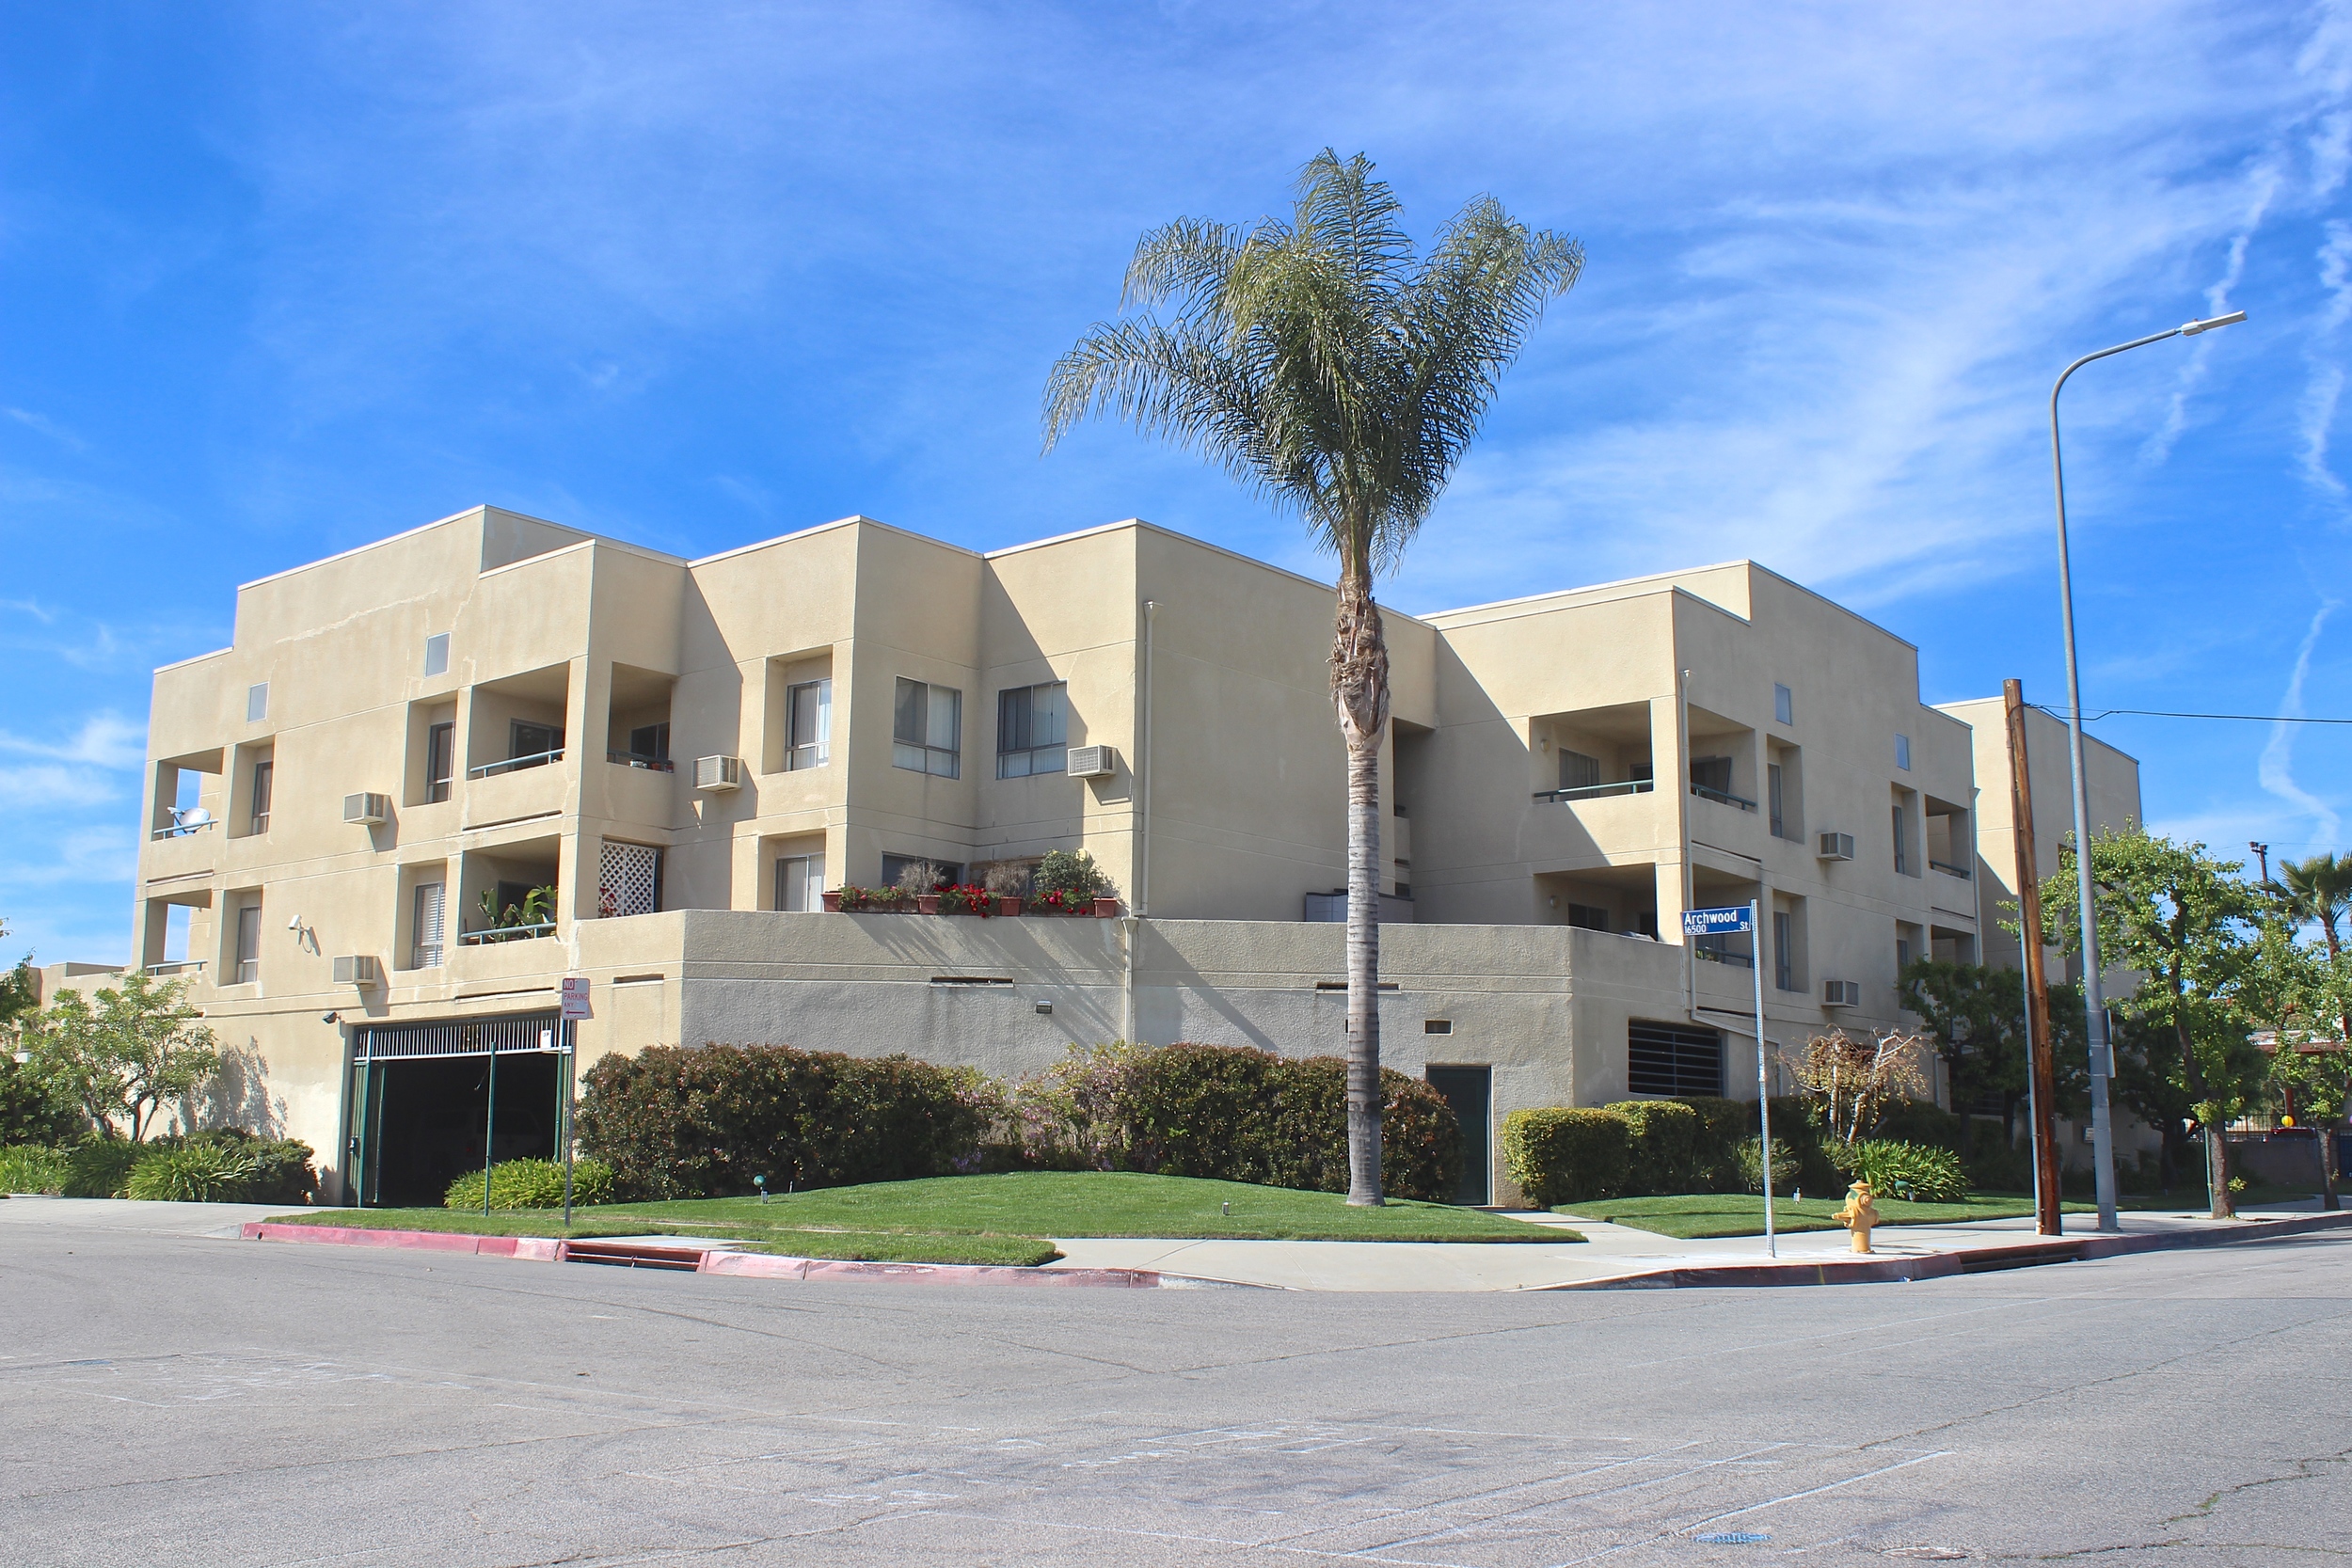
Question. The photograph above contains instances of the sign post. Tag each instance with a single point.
(575, 1009)
(1724, 922)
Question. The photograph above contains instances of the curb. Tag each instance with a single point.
(1943, 1265)
(755, 1265)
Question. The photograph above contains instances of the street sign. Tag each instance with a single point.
(576, 997)
(1709, 923)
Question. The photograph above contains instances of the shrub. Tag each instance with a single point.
(281, 1167)
(1914, 1172)
(1787, 1168)
(31, 1168)
(1724, 1126)
(1665, 1137)
(533, 1184)
(1071, 881)
(100, 1168)
(1562, 1155)
(677, 1122)
(193, 1173)
(31, 1109)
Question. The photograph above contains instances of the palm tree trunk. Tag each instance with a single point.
(1360, 690)
(2329, 1201)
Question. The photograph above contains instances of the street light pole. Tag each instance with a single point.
(2094, 1002)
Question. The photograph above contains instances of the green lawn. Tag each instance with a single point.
(1695, 1215)
(982, 1219)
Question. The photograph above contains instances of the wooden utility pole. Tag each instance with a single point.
(2043, 1065)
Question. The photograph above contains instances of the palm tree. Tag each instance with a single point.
(1328, 366)
(2319, 888)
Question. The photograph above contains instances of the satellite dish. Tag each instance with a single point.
(197, 817)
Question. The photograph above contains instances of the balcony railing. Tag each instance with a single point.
(505, 933)
(1961, 871)
(1708, 792)
(1594, 792)
(182, 828)
(1717, 954)
(175, 966)
(630, 759)
(513, 764)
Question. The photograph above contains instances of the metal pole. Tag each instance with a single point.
(2094, 1003)
(564, 1111)
(2042, 1071)
(1763, 1089)
(489, 1127)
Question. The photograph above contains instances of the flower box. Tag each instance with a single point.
(1007, 906)
(927, 903)
(1106, 908)
(833, 901)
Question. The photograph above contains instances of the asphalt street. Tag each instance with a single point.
(179, 1399)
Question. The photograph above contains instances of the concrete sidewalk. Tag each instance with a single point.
(1613, 1253)
(222, 1220)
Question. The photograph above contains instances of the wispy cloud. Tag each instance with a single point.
(43, 425)
(2277, 758)
(103, 739)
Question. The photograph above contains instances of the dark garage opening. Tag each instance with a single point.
(427, 1117)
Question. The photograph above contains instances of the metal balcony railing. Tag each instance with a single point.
(182, 828)
(631, 759)
(1708, 792)
(515, 764)
(1594, 792)
(175, 966)
(497, 934)
(1949, 870)
(1704, 948)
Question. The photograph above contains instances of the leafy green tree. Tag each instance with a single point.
(1976, 1016)
(138, 1049)
(2188, 924)
(1328, 366)
(2297, 993)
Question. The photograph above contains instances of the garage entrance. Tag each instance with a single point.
(423, 1096)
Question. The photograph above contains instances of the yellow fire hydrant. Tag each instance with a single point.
(1859, 1214)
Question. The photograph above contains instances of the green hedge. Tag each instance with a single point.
(100, 1167)
(1562, 1155)
(33, 1168)
(533, 1184)
(1665, 1154)
(701, 1122)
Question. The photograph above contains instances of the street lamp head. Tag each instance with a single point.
(2211, 321)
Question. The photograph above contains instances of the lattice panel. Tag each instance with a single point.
(627, 877)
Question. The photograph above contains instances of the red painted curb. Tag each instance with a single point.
(1941, 1265)
(749, 1264)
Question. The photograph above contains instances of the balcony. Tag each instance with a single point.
(631, 759)
(1721, 797)
(1597, 791)
(186, 824)
(1951, 870)
(499, 935)
(172, 967)
(516, 765)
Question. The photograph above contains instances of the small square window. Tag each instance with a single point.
(437, 654)
(1784, 706)
(1902, 753)
(1437, 1026)
(257, 703)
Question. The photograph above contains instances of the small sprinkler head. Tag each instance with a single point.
(761, 1182)
(1229, 1209)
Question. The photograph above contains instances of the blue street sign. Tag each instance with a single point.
(1709, 923)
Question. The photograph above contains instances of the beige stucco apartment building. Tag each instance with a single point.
(690, 752)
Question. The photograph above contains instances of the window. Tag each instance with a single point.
(257, 703)
(1784, 706)
(1784, 950)
(526, 739)
(1577, 771)
(1902, 753)
(1673, 1058)
(1772, 786)
(262, 775)
(425, 926)
(1588, 917)
(441, 760)
(437, 654)
(808, 719)
(1903, 845)
(800, 881)
(894, 866)
(1437, 1026)
(249, 944)
(1902, 951)
(650, 742)
(927, 729)
(1029, 730)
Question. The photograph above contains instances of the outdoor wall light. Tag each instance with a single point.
(330, 1018)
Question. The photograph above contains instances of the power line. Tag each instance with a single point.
(2059, 715)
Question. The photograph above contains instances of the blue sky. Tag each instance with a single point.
(279, 279)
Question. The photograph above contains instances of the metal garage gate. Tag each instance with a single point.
(429, 1102)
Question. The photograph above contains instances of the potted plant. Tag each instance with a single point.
(919, 880)
(967, 898)
(832, 900)
(1007, 881)
(1072, 883)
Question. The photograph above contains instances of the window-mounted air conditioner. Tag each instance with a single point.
(717, 772)
(1836, 847)
(372, 810)
(358, 969)
(1841, 993)
(1093, 762)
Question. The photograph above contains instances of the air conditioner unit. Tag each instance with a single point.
(717, 772)
(372, 810)
(358, 969)
(1093, 762)
(1836, 847)
(1841, 993)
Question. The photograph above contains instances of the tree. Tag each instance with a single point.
(2298, 994)
(1326, 366)
(139, 1048)
(2318, 889)
(2185, 922)
(1974, 1015)
(1859, 1082)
